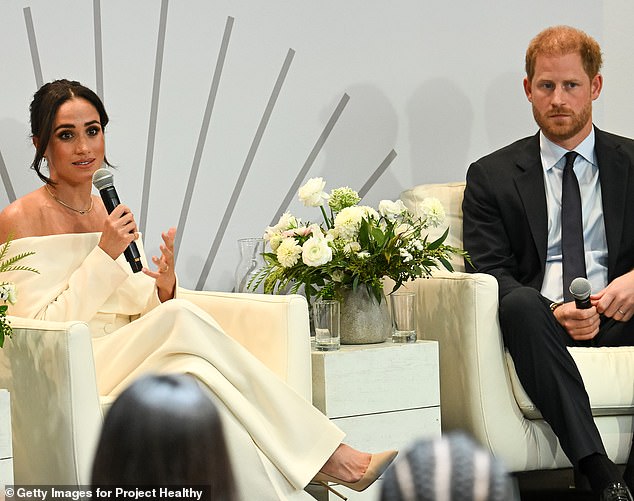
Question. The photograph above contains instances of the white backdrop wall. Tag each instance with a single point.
(220, 109)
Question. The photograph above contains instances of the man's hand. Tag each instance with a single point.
(617, 299)
(580, 325)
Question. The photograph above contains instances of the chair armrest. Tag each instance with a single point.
(274, 328)
(49, 370)
(460, 311)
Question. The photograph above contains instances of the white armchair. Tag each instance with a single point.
(49, 370)
(480, 391)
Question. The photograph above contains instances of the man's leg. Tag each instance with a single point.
(615, 333)
(538, 345)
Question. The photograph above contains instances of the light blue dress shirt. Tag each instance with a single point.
(595, 243)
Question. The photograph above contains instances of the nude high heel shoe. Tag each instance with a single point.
(378, 464)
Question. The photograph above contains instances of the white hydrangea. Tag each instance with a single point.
(312, 194)
(431, 211)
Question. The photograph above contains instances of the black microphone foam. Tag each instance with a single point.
(102, 179)
(580, 289)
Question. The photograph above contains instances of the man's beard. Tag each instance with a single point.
(562, 132)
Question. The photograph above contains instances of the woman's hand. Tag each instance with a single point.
(119, 231)
(164, 275)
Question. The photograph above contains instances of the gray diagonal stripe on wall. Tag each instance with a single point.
(156, 90)
(377, 173)
(6, 180)
(35, 55)
(311, 158)
(96, 15)
(245, 170)
(202, 137)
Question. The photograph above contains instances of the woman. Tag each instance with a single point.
(163, 430)
(138, 323)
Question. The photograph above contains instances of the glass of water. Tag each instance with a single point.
(403, 306)
(326, 314)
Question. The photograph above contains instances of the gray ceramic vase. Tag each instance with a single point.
(363, 319)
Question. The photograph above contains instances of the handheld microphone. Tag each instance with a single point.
(580, 289)
(102, 180)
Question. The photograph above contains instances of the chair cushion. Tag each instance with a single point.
(597, 366)
(450, 196)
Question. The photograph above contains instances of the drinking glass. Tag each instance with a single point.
(403, 306)
(326, 314)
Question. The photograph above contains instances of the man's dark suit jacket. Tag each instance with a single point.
(505, 217)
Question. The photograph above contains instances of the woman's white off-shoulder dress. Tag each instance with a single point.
(277, 440)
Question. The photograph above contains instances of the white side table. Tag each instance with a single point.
(384, 396)
(6, 449)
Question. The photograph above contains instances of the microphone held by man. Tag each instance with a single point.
(102, 179)
(581, 289)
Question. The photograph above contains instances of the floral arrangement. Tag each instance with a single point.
(8, 293)
(356, 245)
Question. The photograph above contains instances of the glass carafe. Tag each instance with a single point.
(251, 261)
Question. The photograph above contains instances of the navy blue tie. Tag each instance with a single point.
(572, 251)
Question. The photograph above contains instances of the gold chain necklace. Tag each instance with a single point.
(81, 211)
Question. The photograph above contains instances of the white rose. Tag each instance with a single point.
(391, 210)
(288, 252)
(316, 252)
(431, 211)
(312, 194)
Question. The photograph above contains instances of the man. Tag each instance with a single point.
(514, 203)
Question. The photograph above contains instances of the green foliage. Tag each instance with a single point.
(7, 289)
(355, 246)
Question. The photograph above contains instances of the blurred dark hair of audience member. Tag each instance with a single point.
(450, 468)
(164, 430)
